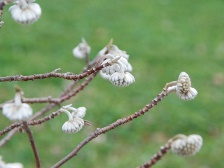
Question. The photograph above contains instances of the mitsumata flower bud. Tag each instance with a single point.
(81, 50)
(183, 87)
(73, 126)
(79, 112)
(114, 50)
(17, 111)
(122, 79)
(75, 121)
(25, 11)
(187, 146)
(119, 72)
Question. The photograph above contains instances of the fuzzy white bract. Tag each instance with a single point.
(183, 87)
(121, 65)
(25, 11)
(81, 50)
(187, 146)
(79, 112)
(122, 78)
(119, 72)
(73, 126)
(114, 50)
(17, 111)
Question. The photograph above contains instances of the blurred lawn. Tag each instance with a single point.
(163, 38)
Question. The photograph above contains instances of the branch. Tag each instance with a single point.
(9, 128)
(47, 118)
(52, 105)
(29, 133)
(54, 74)
(163, 150)
(111, 126)
(66, 97)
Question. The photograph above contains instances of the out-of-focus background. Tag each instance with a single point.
(163, 38)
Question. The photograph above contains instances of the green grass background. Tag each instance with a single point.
(163, 38)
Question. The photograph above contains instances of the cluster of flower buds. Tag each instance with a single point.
(119, 72)
(25, 11)
(17, 111)
(183, 87)
(186, 145)
(75, 119)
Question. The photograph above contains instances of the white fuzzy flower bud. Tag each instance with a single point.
(17, 111)
(187, 146)
(114, 50)
(25, 12)
(104, 75)
(75, 121)
(79, 112)
(121, 65)
(122, 78)
(184, 89)
(81, 50)
(73, 126)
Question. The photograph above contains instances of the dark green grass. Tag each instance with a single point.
(163, 38)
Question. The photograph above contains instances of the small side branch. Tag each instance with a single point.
(9, 128)
(55, 74)
(30, 135)
(163, 150)
(47, 118)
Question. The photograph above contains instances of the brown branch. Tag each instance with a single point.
(47, 118)
(9, 128)
(66, 97)
(30, 135)
(52, 105)
(163, 150)
(111, 126)
(54, 74)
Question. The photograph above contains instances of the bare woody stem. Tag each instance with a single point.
(54, 74)
(49, 107)
(163, 150)
(111, 126)
(66, 97)
(9, 128)
(30, 135)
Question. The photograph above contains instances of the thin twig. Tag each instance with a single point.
(54, 74)
(111, 126)
(47, 118)
(68, 96)
(163, 150)
(9, 128)
(30, 135)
